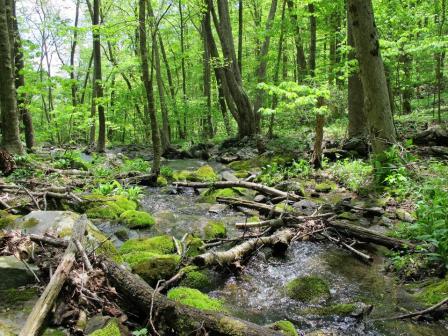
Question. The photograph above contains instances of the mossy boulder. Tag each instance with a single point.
(158, 244)
(325, 187)
(243, 165)
(181, 175)
(285, 327)
(284, 207)
(242, 174)
(348, 216)
(210, 195)
(157, 267)
(135, 219)
(111, 208)
(194, 246)
(215, 229)
(162, 181)
(194, 298)
(111, 329)
(7, 220)
(204, 174)
(197, 279)
(310, 289)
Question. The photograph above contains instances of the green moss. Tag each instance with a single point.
(285, 327)
(215, 229)
(342, 309)
(230, 326)
(243, 165)
(242, 174)
(210, 195)
(435, 292)
(111, 329)
(308, 289)
(162, 181)
(135, 258)
(204, 174)
(13, 296)
(194, 245)
(284, 207)
(32, 222)
(157, 267)
(348, 216)
(124, 203)
(181, 175)
(110, 209)
(197, 279)
(194, 298)
(122, 234)
(159, 244)
(324, 187)
(53, 332)
(137, 219)
(6, 219)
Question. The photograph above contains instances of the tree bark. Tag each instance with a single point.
(147, 82)
(377, 105)
(240, 35)
(316, 159)
(184, 75)
(313, 39)
(357, 120)
(300, 54)
(8, 99)
(207, 124)
(23, 111)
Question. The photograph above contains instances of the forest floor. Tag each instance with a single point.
(331, 280)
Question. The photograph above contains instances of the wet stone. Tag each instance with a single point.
(217, 208)
(305, 206)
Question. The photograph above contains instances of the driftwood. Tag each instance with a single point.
(278, 241)
(51, 292)
(241, 184)
(169, 315)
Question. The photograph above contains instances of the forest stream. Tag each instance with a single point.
(257, 294)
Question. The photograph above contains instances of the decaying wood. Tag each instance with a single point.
(420, 312)
(278, 241)
(169, 315)
(241, 184)
(279, 222)
(263, 208)
(51, 292)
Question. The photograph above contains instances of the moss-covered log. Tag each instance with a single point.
(169, 315)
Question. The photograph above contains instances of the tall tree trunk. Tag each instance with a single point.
(377, 105)
(23, 111)
(98, 86)
(247, 123)
(8, 99)
(147, 82)
(73, 53)
(313, 39)
(207, 120)
(261, 70)
(440, 56)
(184, 75)
(300, 54)
(357, 122)
(240, 35)
(406, 93)
(171, 88)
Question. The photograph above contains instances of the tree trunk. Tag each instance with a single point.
(313, 39)
(377, 105)
(300, 54)
(406, 94)
(357, 122)
(261, 70)
(207, 119)
(23, 111)
(8, 99)
(98, 86)
(182, 64)
(316, 159)
(240, 35)
(147, 82)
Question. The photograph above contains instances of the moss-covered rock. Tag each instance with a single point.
(14, 296)
(284, 207)
(435, 292)
(111, 329)
(310, 289)
(194, 298)
(181, 175)
(243, 165)
(348, 216)
(210, 195)
(204, 174)
(122, 234)
(54, 332)
(242, 174)
(162, 181)
(157, 267)
(197, 279)
(215, 229)
(324, 187)
(158, 244)
(137, 219)
(7, 220)
(111, 208)
(285, 327)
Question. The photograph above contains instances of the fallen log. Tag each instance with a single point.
(263, 208)
(278, 241)
(169, 315)
(241, 184)
(278, 222)
(369, 236)
(51, 292)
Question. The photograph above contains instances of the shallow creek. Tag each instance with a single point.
(257, 294)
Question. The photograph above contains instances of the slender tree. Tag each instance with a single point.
(313, 39)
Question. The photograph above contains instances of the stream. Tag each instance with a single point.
(257, 294)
